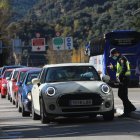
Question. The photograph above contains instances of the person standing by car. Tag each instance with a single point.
(122, 76)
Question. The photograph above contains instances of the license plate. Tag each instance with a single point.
(81, 102)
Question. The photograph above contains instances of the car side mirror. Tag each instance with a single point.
(35, 81)
(13, 80)
(7, 78)
(19, 84)
(99, 72)
(106, 78)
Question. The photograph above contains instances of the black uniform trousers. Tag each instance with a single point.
(123, 95)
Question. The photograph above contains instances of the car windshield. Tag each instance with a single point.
(7, 74)
(72, 73)
(30, 77)
(22, 74)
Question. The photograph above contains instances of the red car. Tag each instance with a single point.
(2, 70)
(15, 81)
(3, 84)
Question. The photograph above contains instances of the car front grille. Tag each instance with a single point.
(64, 102)
(80, 109)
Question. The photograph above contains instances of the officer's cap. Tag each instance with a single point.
(113, 51)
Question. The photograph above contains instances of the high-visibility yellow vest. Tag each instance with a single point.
(119, 69)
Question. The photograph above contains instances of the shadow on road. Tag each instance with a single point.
(71, 127)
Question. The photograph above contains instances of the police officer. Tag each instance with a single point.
(122, 76)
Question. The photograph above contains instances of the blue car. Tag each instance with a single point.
(24, 92)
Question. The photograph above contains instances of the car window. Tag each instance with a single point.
(15, 74)
(7, 74)
(72, 73)
(43, 75)
(39, 76)
(21, 77)
(30, 77)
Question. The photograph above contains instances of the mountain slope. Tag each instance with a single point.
(90, 15)
(21, 7)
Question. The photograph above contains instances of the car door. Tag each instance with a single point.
(36, 92)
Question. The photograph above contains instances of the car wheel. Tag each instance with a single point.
(13, 102)
(19, 108)
(8, 97)
(3, 96)
(25, 113)
(16, 100)
(16, 104)
(44, 118)
(109, 116)
(34, 115)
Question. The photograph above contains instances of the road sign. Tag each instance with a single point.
(38, 44)
(68, 43)
(0, 47)
(58, 43)
(17, 45)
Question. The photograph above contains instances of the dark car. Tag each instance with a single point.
(24, 92)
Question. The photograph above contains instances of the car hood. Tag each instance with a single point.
(77, 86)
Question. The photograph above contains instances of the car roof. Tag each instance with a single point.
(10, 66)
(9, 69)
(67, 64)
(23, 69)
(34, 70)
(13, 66)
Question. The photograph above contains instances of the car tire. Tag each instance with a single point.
(19, 108)
(44, 118)
(3, 96)
(34, 115)
(13, 102)
(16, 103)
(25, 113)
(16, 100)
(8, 97)
(109, 116)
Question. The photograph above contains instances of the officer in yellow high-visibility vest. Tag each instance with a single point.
(122, 76)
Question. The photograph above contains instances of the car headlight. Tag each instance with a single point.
(4, 85)
(105, 88)
(50, 91)
(29, 96)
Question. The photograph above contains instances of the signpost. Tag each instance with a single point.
(58, 43)
(0, 47)
(68, 43)
(38, 44)
(17, 46)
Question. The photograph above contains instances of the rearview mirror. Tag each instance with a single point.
(35, 81)
(99, 72)
(13, 80)
(19, 84)
(7, 78)
(106, 78)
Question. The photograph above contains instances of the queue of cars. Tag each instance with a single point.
(72, 89)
